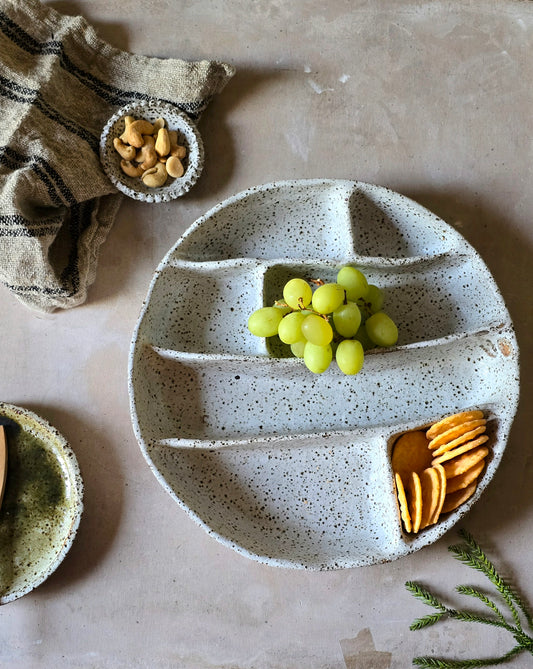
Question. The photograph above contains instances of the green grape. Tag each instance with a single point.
(381, 329)
(353, 281)
(375, 297)
(362, 336)
(347, 319)
(350, 356)
(264, 322)
(328, 297)
(317, 330)
(297, 293)
(290, 328)
(298, 348)
(317, 358)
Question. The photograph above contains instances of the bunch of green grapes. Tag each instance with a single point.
(341, 319)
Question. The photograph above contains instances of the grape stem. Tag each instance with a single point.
(301, 307)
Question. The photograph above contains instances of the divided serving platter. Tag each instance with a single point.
(284, 466)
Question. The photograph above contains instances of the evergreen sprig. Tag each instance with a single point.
(472, 555)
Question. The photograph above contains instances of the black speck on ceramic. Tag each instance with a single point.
(288, 467)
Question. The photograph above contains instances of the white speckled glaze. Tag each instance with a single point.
(188, 135)
(284, 466)
(33, 563)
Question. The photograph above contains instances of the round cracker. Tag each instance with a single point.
(450, 421)
(463, 480)
(463, 462)
(431, 489)
(455, 499)
(449, 455)
(455, 433)
(463, 438)
(411, 454)
(402, 500)
(443, 490)
(414, 490)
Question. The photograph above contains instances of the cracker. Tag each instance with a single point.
(455, 499)
(414, 490)
(402, 500)
(466, 478)
(455, 433)
(430, 482)
(449, 455)
(462, 463)
(411, 454)
(463, 438)
(443, 490)
(450, 421)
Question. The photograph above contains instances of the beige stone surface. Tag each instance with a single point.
(432, 99)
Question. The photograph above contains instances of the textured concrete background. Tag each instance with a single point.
(432, 99)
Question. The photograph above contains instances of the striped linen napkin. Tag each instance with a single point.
(59, 84)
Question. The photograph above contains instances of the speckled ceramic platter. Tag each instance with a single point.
(287, 467)
(42, 505)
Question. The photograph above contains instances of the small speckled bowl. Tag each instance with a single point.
(42, 505)
(287, 467)
(188, 136)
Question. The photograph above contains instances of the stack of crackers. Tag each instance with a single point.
(438, 469)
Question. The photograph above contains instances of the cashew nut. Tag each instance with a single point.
(146, 156)
(175, 149)
(125, 150)
(178, 152)
(162, 143)
(155, 176)
(173, 136)
(134, 132)
(130, 169)
(128, 120)
(158, 123)
(140, 153)
(174, 167)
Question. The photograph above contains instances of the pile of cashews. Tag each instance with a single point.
(150, 151)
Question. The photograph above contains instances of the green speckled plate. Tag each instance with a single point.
(42, 505)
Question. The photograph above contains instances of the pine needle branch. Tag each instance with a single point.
(473, 592)
(436, 663)
(483, 564)
(473, 556)
(425, 595)
(426, 621)
(467, 617)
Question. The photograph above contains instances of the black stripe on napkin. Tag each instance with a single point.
(111, 94)
(60, 194)
(15, 225)
(39, 290)
(79, 215)
(24, 95)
